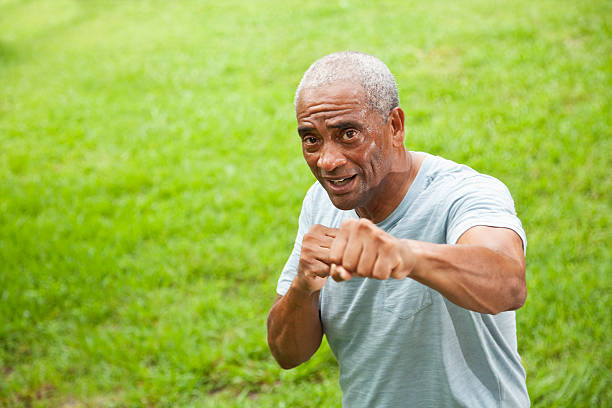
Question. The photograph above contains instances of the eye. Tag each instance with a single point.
(349, 135)
(309, 140)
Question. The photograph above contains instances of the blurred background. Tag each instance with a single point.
(151, 178)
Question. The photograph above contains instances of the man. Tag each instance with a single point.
(426, 256)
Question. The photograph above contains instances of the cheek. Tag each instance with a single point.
(373, 156)
(311, 159)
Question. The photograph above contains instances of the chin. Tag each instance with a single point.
(342, 203)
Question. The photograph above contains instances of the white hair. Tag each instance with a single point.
(370, 72)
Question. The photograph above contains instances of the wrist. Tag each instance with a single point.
(300, 298)
(302, 289)
(413, 255)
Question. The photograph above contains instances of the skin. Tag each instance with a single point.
(344, 140)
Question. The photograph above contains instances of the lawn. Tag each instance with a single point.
(151, 178)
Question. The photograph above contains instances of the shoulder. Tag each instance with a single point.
(470, 198)
(441, 169)
(454, 179)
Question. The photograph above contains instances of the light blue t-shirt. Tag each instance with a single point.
(402, 344)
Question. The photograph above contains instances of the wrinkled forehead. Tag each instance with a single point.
(335, 93)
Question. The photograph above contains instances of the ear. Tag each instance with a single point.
(396, 125)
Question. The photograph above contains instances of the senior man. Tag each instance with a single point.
(426, 256)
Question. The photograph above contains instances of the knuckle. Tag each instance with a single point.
(386, 242)
(364, 224)
(310, 238)
(306, 245)
(316, 230)
(304, 259)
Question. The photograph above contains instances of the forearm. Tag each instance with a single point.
(471, 276)
(294, 328)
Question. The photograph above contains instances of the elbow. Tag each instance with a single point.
(519, 289)
(284, 361)
(519, 296)
(515, 301)
(286, 357)
(286, 365)
(517, 292)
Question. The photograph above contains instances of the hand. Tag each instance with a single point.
(313, 267)
(362, 249)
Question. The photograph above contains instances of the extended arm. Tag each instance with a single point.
(484, 272)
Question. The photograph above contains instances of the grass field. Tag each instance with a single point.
(151, 178)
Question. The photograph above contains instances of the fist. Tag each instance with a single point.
(313, 267)
(360, 248)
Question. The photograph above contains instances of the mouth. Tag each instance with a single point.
(340, 185)
(342, 181)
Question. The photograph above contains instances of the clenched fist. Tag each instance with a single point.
(315, 261)
(360, 248)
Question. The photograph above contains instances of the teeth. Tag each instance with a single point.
(338, 182)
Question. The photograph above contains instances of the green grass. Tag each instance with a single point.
(150, 182)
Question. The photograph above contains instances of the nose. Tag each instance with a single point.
(330, 158)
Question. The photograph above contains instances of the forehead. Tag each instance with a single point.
(337, 98)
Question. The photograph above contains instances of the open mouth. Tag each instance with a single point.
(339, 186)
(341, 182)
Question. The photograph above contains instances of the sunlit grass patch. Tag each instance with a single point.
(150, 182)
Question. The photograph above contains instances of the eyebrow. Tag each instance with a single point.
(346, 124)
(339, 125)
(304, 129)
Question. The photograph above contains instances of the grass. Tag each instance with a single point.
(150, 181)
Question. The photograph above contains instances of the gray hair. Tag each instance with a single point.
(373, 75)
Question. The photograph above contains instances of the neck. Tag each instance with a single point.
(394, 187)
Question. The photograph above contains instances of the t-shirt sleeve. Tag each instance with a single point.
(482, 200)
(290, 269)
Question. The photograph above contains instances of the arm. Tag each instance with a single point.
(294, 326)
(484, 272)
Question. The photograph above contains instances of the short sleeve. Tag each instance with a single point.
(290, 269)
(482, 200)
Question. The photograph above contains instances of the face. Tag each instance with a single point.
(347, 146)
